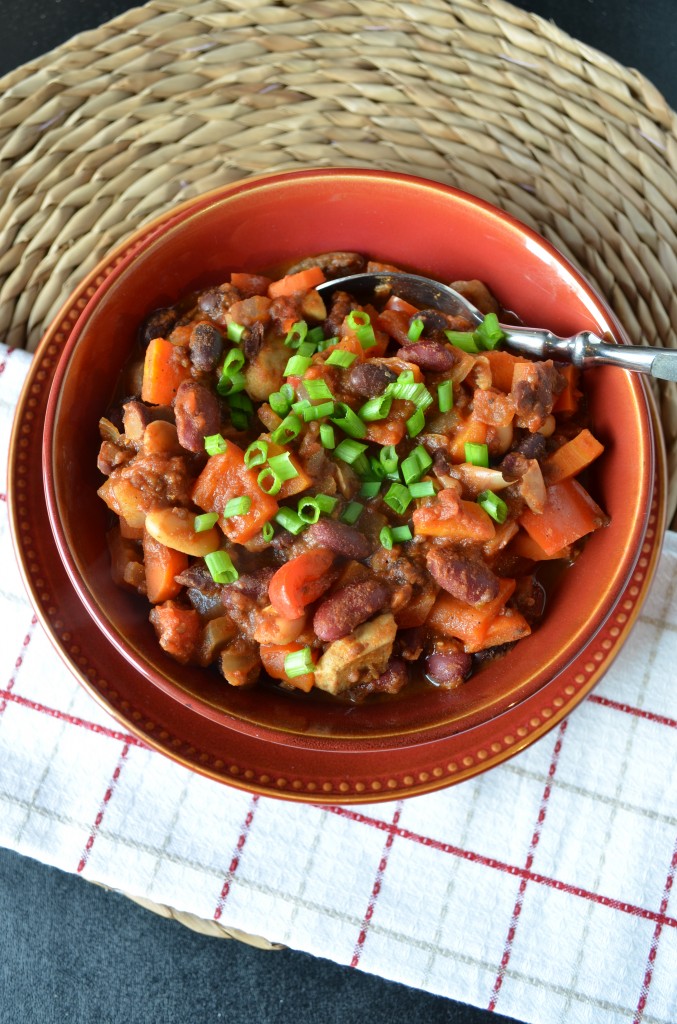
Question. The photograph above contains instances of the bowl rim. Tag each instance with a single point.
(155, 234)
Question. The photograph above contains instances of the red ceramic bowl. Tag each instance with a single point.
(260, 223)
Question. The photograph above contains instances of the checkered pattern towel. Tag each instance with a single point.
(542, 889)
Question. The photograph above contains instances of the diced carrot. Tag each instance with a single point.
(255, 309)
(504, 534)
(569, 514)
(302, 281)
(164, 368)
(386, 432)
(454, 618)
(250, 284)
(502, 365)
(162, 564)
(505, 628)
(300, 582)
(468, 431)
(567, 400)
(225, 476)
(396, 324)
(572, 457)
(417, 609)
(525, 547)
(272, 657)
(178, 630)
(492, 407)
(399, 305)
(453, 517)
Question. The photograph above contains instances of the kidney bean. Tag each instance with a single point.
(395, 677)
(429, 355)
(449, 668)
(464, 579)
(206, 347)
(370, 379)
(348, 608)
(338, 537)
(197, 414)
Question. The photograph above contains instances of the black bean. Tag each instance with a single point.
(206, 347)
(158, 324)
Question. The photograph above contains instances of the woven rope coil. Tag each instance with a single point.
(174, 98)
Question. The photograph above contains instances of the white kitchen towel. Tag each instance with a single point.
(542, 889)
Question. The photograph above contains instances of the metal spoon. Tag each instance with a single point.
(584, 350)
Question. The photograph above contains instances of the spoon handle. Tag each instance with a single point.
(586, 349)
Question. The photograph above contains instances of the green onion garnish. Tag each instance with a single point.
(339, 357)
(445, 396)
(465, 340)
(416, 423)
(415, 465)
(376, 408)
(282, 467)
(296, 366)
(398, 498)
(239, 419)
(401, 534)
(306, 348)
(267, 532)
(308, 510)
(268, 481)
(422, 489)
(317, 389)
(494, 505)
(410, 391)
(205, 521)
(326, 343)
(359, 321)
(318, 412)
(477, 454)
(389, 458)
(327, 439)
(221, 568)
(489, 333)
(326, 502)
(352, 512)
(256, 454)
(386, 538)
(297, 334)
(287, 430)
(299, 663)
(233, 362)
(230, 383)
(235, 331)
(237, 506)
(370, 488)
(279, 403)
(215, 444)
(376, 469)
(316, 335)
(350, 451)
(348, 421)
(415, 329)
(290, 520)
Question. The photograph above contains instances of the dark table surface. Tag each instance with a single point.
(72, 953)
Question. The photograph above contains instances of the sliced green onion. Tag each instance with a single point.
(290, 520)
(389, 458)
(287, 430)
(465, 340)
(296, 366)
(239, 419)
(267, 532)
(316, 335)
(489, 333)
(241, 400)
(237, 506)
(306, 349)
(235, 331)
(256, 454)
(282, 467)
(339, 357)
(326, 343)
(348, 420)
(268, 481)
(406, 377)
(376, 469)
(410, 391)
(376, 408)
(415, 329)
(359, 321)
(386, 538)
(401, 534)
(326, 503)
(215, 444)
(299, 663)
(494, 505)
(445, 396)
(415, 465)
(422, 489)
(349, 450)
(279, 403)
(398, 498)
(318, 412)
(416, 423)
(299, 406)
(317, 389)
(370, 489)
(233, 362)
(327, 439)
(352, 513)
(230, 383)
(221, 568)
(205, 521)
(308, 510)
(477, 454)
(297, 334)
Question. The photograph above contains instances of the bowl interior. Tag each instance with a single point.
(259, 224)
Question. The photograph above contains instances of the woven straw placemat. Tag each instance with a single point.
(181, 96)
